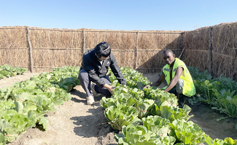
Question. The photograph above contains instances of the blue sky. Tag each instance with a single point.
(117, 14)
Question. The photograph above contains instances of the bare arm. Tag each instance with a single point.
(110, 88)
(175, 80)
(159, 81)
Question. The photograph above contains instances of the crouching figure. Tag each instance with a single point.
(177, 76)
(94, 67)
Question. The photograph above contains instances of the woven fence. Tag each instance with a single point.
(43, 49)
(213, 48)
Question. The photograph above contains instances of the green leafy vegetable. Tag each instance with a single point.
(187, 132)
(144, 106)
(8, 71)
(139, 135)
(157, 125)
(121, 115)
(24, 104)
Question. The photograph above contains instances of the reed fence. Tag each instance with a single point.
(212, 48)
(41, 49)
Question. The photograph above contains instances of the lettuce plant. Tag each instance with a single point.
(187, 132)
(157, 124)
(122, 115)
(24, 104)
(140, 135)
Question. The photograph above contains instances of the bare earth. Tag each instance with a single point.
(75, 123)
(11, 80)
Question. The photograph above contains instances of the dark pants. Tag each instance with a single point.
(85, 82)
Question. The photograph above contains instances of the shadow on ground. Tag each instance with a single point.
(90, 125)
(206, 118)
(81, 96)
(95, 124)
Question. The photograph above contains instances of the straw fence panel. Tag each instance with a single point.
(225, 50)
(13, 38)
(196, 48)
(124, 58)
(116, 39)
(13, 47)
(45, 59)
(150, 48)
(213, 48)
(225, 39)
(16, 57)
(53, 38)
(210, 48)
(59, 47)
(122, 44)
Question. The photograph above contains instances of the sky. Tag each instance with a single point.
(118, 14)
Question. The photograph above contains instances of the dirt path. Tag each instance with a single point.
(205, 117)
(18, 78)
(75, 123)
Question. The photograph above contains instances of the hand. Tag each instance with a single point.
(110, 88)
(146, 86)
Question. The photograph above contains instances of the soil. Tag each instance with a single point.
(75, 123)
(206, 118)
(18, 78)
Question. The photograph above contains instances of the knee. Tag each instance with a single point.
(79, 76)
(179, 86)
(83, 75)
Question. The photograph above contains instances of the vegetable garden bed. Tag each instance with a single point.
(135, 84)
(25, 103)
(9, 71)
(151, 116)
(220, 93)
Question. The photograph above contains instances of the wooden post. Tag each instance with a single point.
(210, 51)
(30, 49)
(182, 37)
(136, 51)
(83, 47)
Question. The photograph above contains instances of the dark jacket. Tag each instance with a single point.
(91, 64)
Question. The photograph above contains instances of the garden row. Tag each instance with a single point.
(9, 71)
(220, 93)
(25, 103)
(151, 116)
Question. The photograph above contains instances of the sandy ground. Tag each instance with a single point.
(18, 78)
(75, 123)
(205, 117)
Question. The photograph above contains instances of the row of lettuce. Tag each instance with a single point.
(9, 71)
(220, 92)
(25, 103)
(151, 116)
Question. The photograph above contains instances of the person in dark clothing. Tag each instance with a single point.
(94, 67)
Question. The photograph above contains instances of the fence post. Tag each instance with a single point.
(182, 45)
(30, 49)
(210, 51)
(136, 52)
(83, 47)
